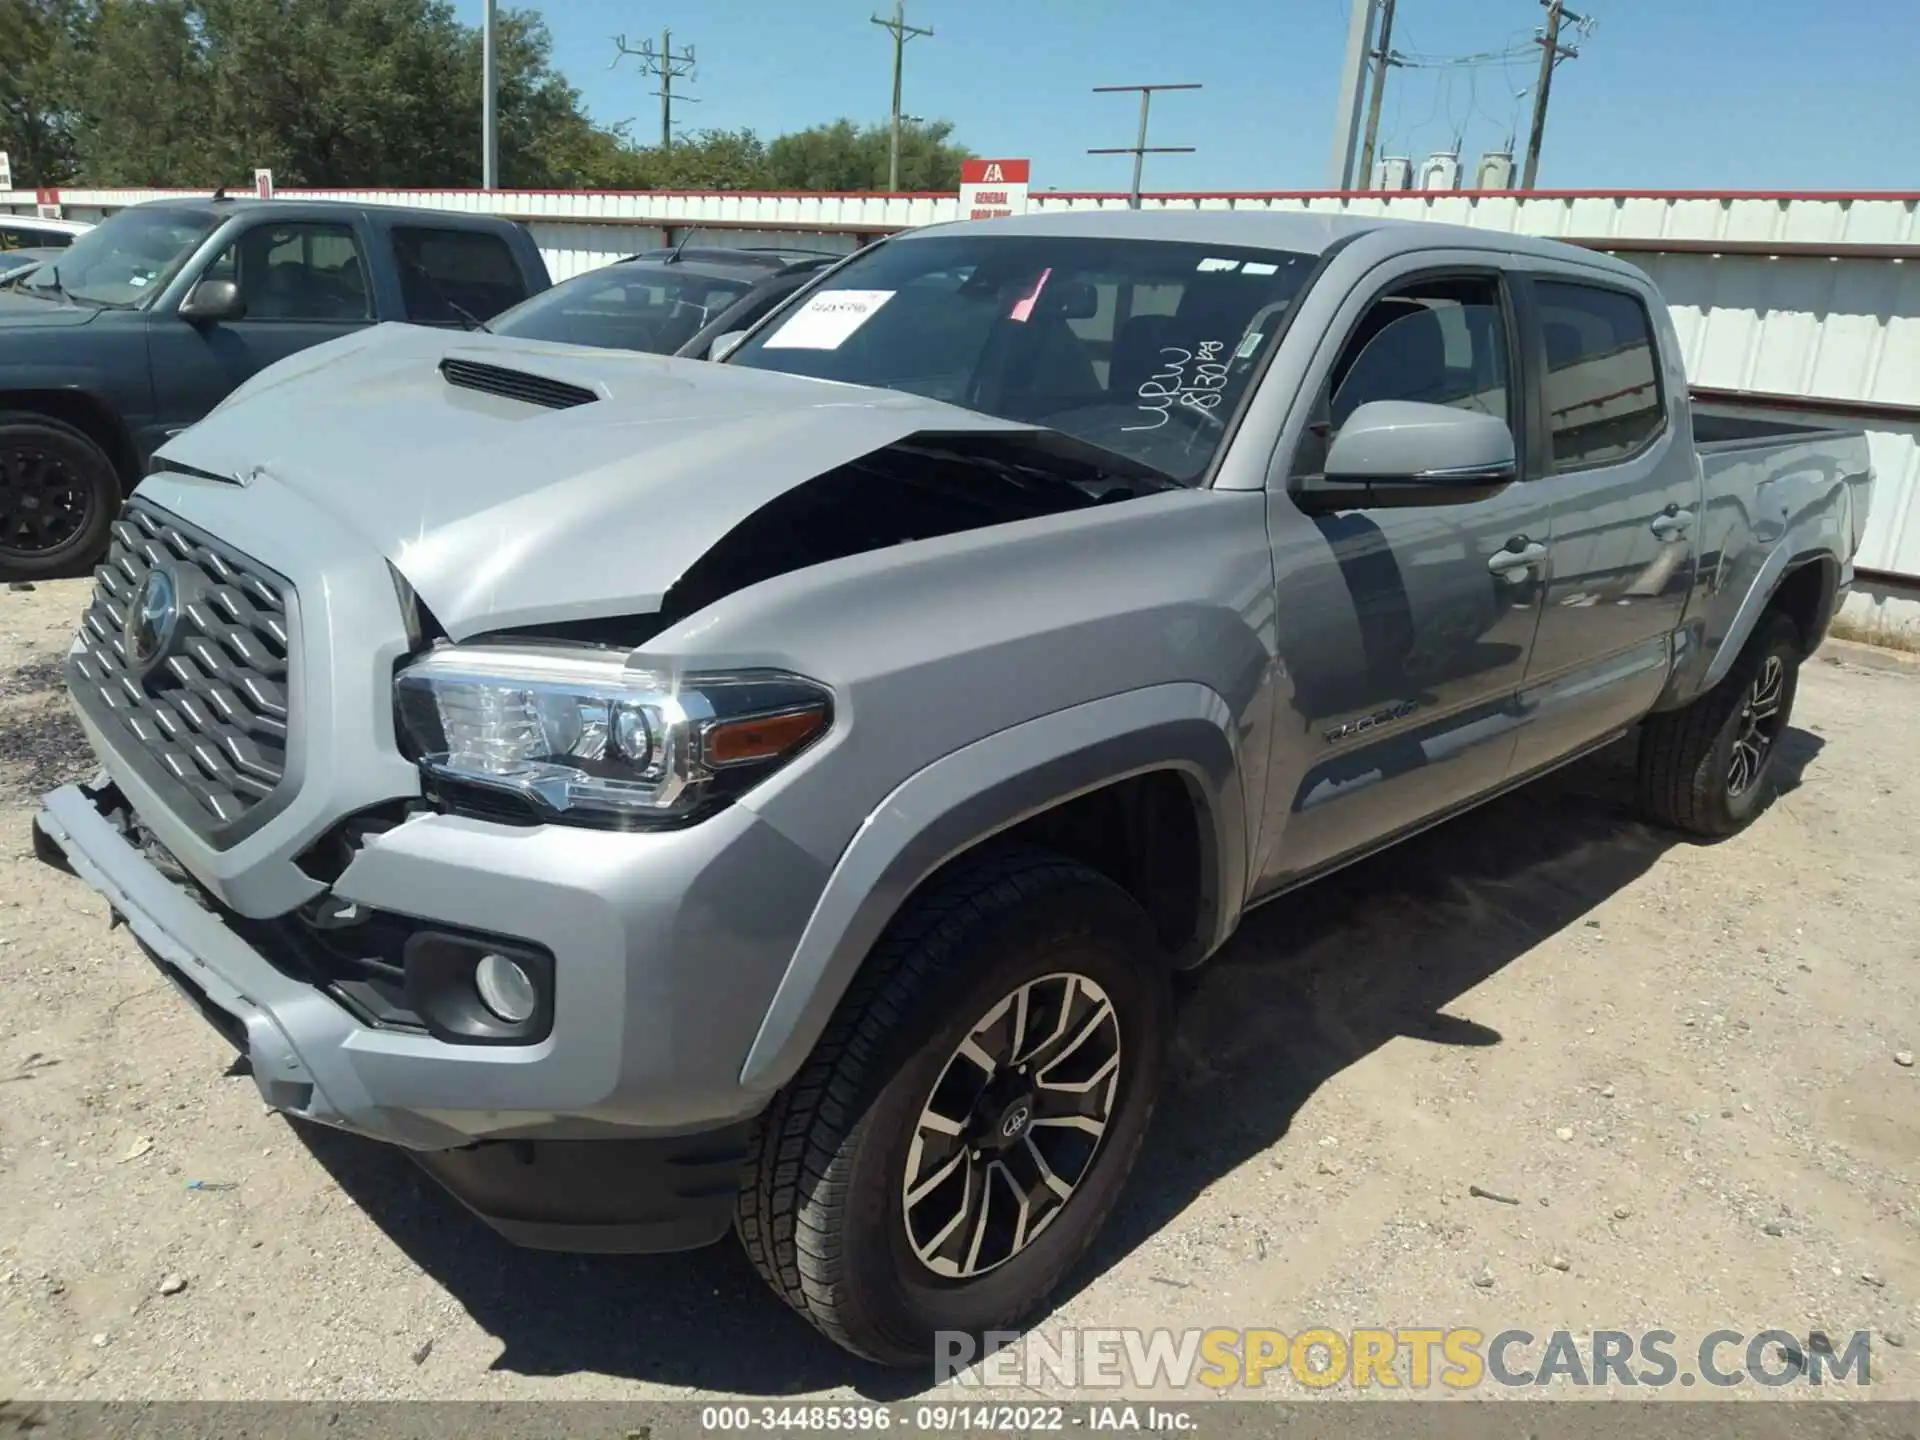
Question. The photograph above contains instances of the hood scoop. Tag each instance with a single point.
(521, 385)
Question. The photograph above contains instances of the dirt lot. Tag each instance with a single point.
(1679, 1060)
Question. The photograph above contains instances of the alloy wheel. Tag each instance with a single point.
(1758, 725)
(43, 501)
(1012, 1125)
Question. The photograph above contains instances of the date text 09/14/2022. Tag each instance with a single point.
(940, 1419)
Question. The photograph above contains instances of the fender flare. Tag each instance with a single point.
(1759, 597)
(982, 789)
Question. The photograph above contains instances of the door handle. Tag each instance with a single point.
(1519, 554)
(1671, 523)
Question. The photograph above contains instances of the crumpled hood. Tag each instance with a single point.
(501, 513)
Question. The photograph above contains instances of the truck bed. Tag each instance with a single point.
(1722, 429)
(1775, 491)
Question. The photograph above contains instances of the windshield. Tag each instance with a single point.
(1139, 346)
(124, 260)
(634, 305)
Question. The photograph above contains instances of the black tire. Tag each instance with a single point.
(58, 495)
(1688, 774)
(822, 1210)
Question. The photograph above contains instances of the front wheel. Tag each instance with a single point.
(1709, 768)
(58, 494)
(964, 1127)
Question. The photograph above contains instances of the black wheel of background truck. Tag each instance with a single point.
(58, 495)
(1709, 768)
(965, 1125)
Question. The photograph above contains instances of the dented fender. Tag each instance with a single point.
(1771, 511)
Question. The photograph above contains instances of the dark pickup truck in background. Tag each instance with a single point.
(666, 302)
(150, 319)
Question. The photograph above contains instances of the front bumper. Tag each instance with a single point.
(487, 1122)
(254, 1005)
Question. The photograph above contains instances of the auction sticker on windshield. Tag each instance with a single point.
(827, 319)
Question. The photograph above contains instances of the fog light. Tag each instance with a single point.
(505, 989)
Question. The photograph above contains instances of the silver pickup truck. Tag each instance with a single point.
(666, 796)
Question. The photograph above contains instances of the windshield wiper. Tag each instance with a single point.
(466, 316)
(1093, 460)
(473, 322)
(1022, 457)
(53, 287)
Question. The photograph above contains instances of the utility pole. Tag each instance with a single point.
(902, 32)
(489, 103)
(1551, 53)
(1382, 58)
(668, 66)
(1346, 119)
(1140, 149)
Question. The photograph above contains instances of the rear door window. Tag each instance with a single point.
(449, 275)
(1602, 378)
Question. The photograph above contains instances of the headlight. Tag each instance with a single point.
(575, 735)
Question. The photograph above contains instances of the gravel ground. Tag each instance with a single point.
(1679, 1060)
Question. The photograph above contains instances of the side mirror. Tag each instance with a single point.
(212, 301)
(1406, 452)
(725, 345)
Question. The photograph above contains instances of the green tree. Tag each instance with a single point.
(36, 127)
(328, 93)
(845, 156)
(706, 160)
(138, 86)
(364, 93)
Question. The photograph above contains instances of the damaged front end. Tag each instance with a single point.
(516, 485)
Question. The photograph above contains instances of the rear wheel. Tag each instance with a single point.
(1709, 768)
(964, 1127)
(58, 494)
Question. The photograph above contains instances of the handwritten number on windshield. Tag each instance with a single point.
(1198, 388)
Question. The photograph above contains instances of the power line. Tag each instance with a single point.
(1473, 100)
(1481, 60)
(1140, 150)
(1518, 94)
(665, 64)
(1551, 53)
(901, 32)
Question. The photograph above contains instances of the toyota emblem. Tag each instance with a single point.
(152, 615)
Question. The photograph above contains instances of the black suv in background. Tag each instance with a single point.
(146, 322)
(665, 302)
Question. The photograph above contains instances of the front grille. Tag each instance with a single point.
(520, 385)
(207, 709)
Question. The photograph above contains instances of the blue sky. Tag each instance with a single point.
(1667, 94)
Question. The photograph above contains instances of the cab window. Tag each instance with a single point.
(297, 272)
(1440, 341)
(1602, 378)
